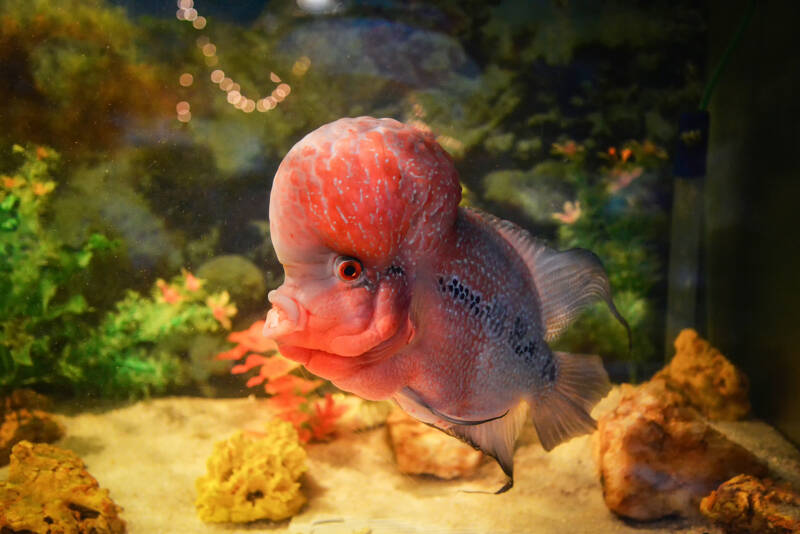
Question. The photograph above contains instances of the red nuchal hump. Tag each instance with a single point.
(364, 183)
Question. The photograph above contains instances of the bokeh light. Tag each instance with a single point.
(235, 97)
(301, 66)
(186, 79)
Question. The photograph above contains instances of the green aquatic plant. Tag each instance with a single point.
(139, 347)
(42, 311)
(614, 214)
(48, 331)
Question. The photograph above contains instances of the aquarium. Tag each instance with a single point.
(387, 266)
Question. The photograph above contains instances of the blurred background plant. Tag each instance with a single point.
(141, 346)
(172, 119)
(48, 332)
(42, 308)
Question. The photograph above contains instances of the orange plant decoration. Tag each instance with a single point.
(290, 395)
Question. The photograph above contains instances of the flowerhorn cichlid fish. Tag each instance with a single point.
(394, 291)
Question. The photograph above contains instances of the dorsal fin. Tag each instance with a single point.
(567, 282)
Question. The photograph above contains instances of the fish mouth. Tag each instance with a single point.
(285, 317)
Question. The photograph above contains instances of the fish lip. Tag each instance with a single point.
(295, 316)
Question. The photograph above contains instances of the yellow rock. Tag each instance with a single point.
(49, 490)
(253, 477)
(708, 380)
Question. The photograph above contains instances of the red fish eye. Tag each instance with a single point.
(349, 270)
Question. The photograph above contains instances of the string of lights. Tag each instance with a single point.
(234, 95)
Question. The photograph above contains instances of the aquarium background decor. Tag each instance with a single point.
(139, 138)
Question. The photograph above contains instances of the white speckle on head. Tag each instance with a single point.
(341, 214)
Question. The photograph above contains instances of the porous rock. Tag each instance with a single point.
(360, 414)
(745, 504)
(49, 491)
(658, 457)
(420, 449)
(253, 477)
(708, 380)
(23, 416)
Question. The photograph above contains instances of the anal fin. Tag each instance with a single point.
(496, 438)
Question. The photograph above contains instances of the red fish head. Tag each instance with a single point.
(355, 205)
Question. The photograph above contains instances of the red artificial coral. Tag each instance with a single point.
(253, 360)
(323, 424)
(291, 383)
(233, 354)
(253, 339)
(286, 402)
(313, 420)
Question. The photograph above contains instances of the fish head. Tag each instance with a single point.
(354, 207)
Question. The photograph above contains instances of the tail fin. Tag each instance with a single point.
(562, 412)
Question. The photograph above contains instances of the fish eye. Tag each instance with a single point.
(348, 269)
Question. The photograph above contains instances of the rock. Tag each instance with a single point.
(658, 457)
(420, 449)
(710, 383)
(23, 417)
(748, 504)
(360, 414)
(49, 490)
(253, 477)
(239, 277)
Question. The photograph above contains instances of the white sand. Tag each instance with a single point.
(148, 454)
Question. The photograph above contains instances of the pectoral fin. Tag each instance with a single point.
(413, 396)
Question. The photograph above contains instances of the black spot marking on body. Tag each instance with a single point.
(395, 270)
(526, 350)
(494, 315)
(459, 291)
(549, 370)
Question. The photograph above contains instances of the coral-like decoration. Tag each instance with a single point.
(291, 395)
(23, 416)
(253, 477)
(747, 504)
(49, 490)
(710, 383)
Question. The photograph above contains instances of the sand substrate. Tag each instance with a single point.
(150, 453)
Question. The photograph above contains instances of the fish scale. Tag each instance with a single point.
(444, 309)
